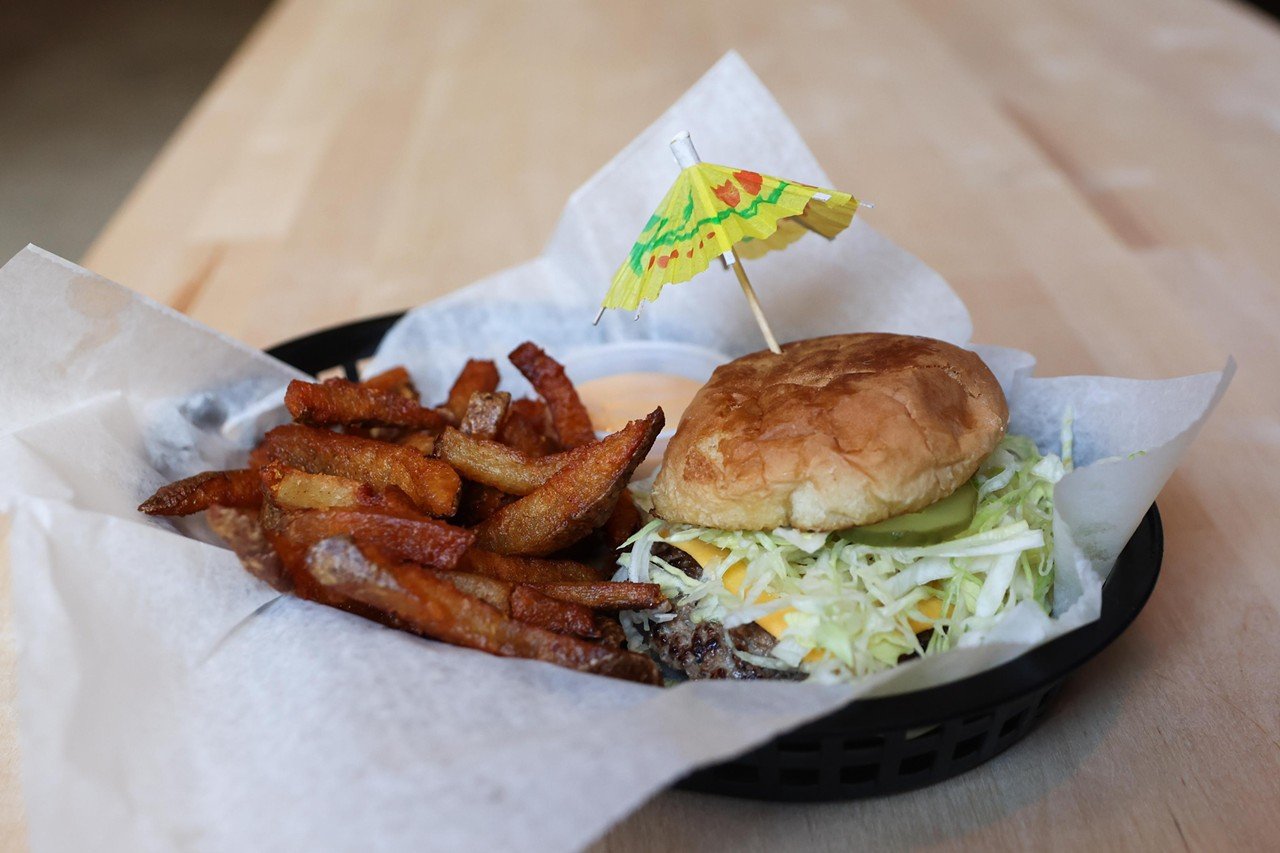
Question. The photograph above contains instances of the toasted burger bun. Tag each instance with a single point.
(835, 432)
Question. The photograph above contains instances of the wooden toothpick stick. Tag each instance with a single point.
(750, 293)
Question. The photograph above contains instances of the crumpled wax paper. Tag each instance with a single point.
(168, 700)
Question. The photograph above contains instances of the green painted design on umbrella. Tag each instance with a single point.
(670, 238)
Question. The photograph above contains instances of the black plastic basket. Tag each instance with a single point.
(872, 746)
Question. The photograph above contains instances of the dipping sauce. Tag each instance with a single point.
(614, 400)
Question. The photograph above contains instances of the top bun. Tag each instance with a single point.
(835, 432)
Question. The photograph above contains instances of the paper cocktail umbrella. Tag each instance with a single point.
(720, 212)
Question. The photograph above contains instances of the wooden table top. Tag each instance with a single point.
(1098, 180)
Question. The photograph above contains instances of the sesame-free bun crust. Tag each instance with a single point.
(835, 432)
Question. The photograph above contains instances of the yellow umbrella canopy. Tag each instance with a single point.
(716, 211)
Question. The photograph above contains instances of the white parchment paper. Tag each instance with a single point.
(168, 700)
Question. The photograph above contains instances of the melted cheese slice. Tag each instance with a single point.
(709, 556)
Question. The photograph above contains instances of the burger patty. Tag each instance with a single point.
(706, 649)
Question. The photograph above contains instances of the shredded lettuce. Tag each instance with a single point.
(851, 609)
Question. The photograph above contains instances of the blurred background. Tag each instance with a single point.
(293, 198)
(89, 93)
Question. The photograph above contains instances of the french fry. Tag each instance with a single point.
(527, 428)
(622, 523)
(260, 455)
(340, 554)
(343, 518)
(492, 592)
(547, 376)
(555, 614)
(611, 633)
(574, 501)
(340, 402)
(528, 605)
(421, 540)
(425, 602)
(605, 595)
(292, 489)
(198, 493)
(525, 569)
(477, 502)
(573, 424)
(393, 381)
(497, 465)
(477, 377)
(484, 413)
(242, 530)
(430, 483)
(421, 440)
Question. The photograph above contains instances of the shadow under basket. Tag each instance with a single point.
(883, 745)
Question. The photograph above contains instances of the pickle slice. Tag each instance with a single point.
(935, 523)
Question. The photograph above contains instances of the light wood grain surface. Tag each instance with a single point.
(1100, 182)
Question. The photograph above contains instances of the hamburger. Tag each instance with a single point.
(831, 511)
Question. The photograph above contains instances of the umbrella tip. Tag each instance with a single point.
(599, 314)
(682, 148)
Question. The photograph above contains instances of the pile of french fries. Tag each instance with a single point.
(485, 522)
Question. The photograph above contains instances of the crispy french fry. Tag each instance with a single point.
(425, 602)
(497, 465)
(573, 424)
(342, 518)
(421, 440)
(242, 530)
(430, 483)
(393, 381)
(528, 605)
(194, 494)
(554, 614)
(420, 540)
(291, 489)
(484, 413)
(477, 502)
(574, 501)
(477, 376)
(547, 376)
(605, 595)
(492, 592)
(622, 522)
(611, 633)
(260, 455)
(574, 427)
(525, 569)
(528, 429)
(338, 401)
(336, 555)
